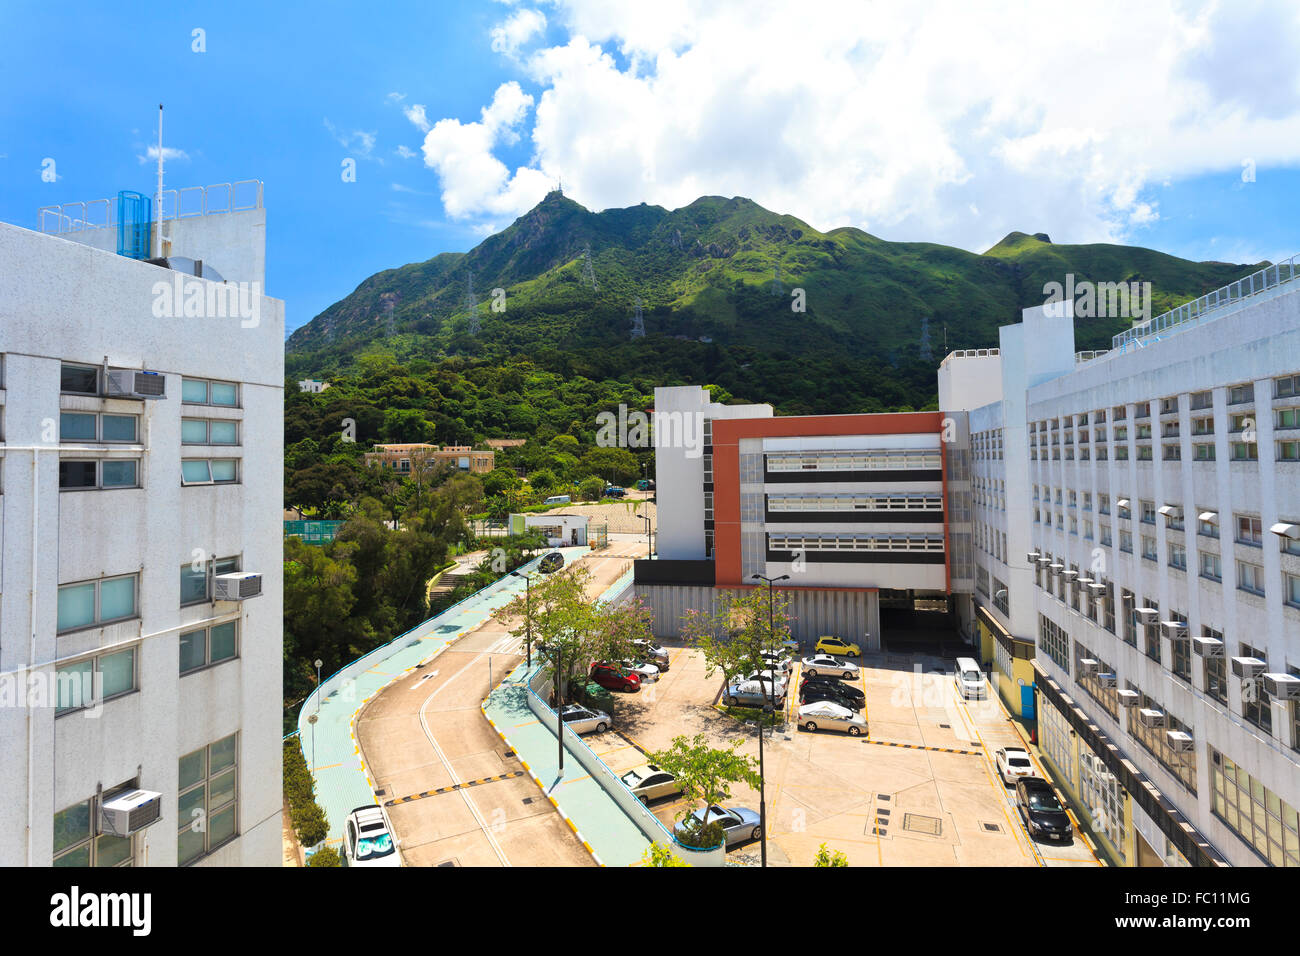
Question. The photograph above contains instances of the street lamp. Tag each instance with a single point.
(316, 716)
(528, 614)
(649, 541)
(559, 703)
(770, 708)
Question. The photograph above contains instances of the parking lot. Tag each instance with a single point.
(921, 789)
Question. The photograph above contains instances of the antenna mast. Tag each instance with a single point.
(158, 211)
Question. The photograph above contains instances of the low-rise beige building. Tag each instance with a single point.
(461, 457)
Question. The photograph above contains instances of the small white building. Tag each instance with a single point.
(561, 530)
(313, 386)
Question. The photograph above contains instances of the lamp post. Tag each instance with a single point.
(649, 541)
(316, 716)
(762, 783)
(528, 614)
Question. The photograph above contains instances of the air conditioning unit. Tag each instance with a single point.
(237, 586)
(1123, 502)
(1282, 686)
(132, 383)
(1180, 742)
(1086, 581)
(1087, 666)
(1284, 529)
(1128, 698)
(130, 812)
(1172, 511)
(1056, 568)
(1174, 629)
(1107, 680)
(1150, 717)
(1208, 646)
(1096, 586)
(1069, 575)
(1032, 556)
(1247, 667)
(1209, 517)
(1146, 614)
(1044, 561)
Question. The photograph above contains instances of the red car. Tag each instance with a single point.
(614, 678)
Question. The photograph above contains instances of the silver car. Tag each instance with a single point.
(738, 823)
(655, 653)
(752, 693)
(828, 715)
(648, 783)
(825, 664)
(582, 720)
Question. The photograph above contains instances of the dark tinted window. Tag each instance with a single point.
(79, 378)
(76, 474)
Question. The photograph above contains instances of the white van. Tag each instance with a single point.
(970, 679)
(557, 500)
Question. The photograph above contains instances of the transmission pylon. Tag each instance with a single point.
(777, 287)
(638, 322)
(588, 270)
(471, 303)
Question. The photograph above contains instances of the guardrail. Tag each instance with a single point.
(1194, 311)
(971, 353)
(183, 203)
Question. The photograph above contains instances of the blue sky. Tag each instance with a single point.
(903, 120)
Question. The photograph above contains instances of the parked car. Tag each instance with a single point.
(828, 715)
(614, 678)
(558, 500)
(648, 783)
(655, 653)
(820, 664)
(834, 645)
(769, 677)
(613, 491)
(582, 720)
(551, 562)
(1013, 763)
(643, 669)
(816, 691)
(738, 823)
(645, 484)
(850, 691)
(368, 840)
(1042, 810)
(752, 693)
(780, 662)
(970, 679)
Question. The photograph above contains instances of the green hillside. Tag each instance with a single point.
(717, 310)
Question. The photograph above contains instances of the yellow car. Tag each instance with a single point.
(833, 645)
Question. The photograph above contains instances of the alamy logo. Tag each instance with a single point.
(74, 909)
(190, 298)
(635, 429)
(1099, 300)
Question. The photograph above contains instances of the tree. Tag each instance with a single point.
(591, 488)
(657, 854)
(613, 464)
(542, 480)
(705, 775)
(827, 857)
(733, 637)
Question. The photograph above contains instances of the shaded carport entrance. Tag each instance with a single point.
(919, 622)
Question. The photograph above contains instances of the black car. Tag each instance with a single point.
(551, 562)
(815, 691)
(850, 692)
(1042, 811)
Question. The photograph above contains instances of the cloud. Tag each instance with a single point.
(405, 151)
(897, 118)
(357, 141)
(169, 154)
(395, 97)
(415, 113)
(516, 30)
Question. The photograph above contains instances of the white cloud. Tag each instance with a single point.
(169, 154)
(404, 151)
(395, 97)
(415, 113)
(358, 141)
(898, 118)
(516, 30)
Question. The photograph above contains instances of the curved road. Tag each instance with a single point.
(426, 732)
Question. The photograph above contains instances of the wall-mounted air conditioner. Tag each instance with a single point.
(1146, 614)
(237, 586)
(1180, 742)
(1087, 666)
(1282, 686)
(1107, 680)
(130, 812)
(1208, 646)
(1097, 587)
(1033, 556)
(1247, 667)
(1209, 517)
(1150, 717)
(1056, 568)
(1172, 511)
(1069, 575)
(1284, 529)
(1174, 629)
(1044, 562)
(133, 383)
(1128, 698)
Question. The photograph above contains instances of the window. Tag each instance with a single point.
(1286, 386)
(75, 842)
(207, 804)
(197, 391)
(87, 426)
(1202, 400)
(97, 602)
(1250, 530)
(1264, 821)
(1256, 703)
(1126, 541)
(1288, 418)
(79, 379)
(1288, 451)
(1211, 566)
(1148, 512)
(1103, 504)
(1130, 619)
(1181, 648)
(106, 473)
(1216, 670)
(91, 681)
(209, 471)
(1177, 556)
(1240, 394)
(1156, 741)
(1245, 451)
(209, 431)
(1206, 528)
(209, 645)
(194, 578)
(1149, 548)
(1250, 577)
(1054, 642)
(1203, 453)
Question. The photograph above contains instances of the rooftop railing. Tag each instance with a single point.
(969, 353)
(183, 203)
(1198, 309)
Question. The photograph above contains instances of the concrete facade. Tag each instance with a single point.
(71, 302)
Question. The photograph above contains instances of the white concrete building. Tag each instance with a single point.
(1136, 516)
(129, 661)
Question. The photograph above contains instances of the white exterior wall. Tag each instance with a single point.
(69, 301)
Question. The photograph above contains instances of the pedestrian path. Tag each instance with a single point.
(329, 743)
(612, 836)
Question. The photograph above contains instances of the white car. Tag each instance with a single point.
(767, 677)
(825, 664)
(777, 662)
(655, 653)
(368, 839)
(648, 783)
(583, 721)
(1013, 763)
(647, 672)
(828, 715)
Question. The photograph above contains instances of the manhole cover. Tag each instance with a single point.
(883, 796)
(992, 827)
(380, 793)
(918, 823)
(448, 863)
(882, 812)
(528, 800)
(510, 753)
(941, 727)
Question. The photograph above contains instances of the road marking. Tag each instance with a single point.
(939, 750)
(454, 787)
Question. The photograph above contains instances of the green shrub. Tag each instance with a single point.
(325, 856)
(305, 814)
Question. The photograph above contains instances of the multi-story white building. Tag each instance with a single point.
(1136, 521)
(141, 433)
